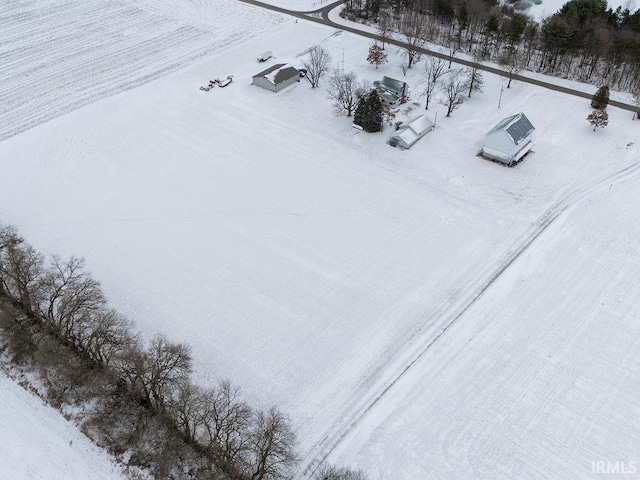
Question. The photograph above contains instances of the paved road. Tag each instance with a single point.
(321, 16)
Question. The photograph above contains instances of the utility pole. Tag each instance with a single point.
(500, 99)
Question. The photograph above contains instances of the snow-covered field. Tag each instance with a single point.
(36, 442)
(57, 56)
(490, 309)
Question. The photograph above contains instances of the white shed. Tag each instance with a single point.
(509, 140)
(277, 77)
(410, 132)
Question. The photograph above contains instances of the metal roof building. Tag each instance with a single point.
(411, 132)
(276, 77)
(510, 140)
(392, 91)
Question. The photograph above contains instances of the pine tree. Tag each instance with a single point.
(598, 118)
(376, 55)
(372, 120)
(359, 112)
(601, 98)
(368, 113)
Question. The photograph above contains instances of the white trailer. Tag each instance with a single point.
(263, 57)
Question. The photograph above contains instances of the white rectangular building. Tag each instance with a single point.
(410, 132)
(509, 140)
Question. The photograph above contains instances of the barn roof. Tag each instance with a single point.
(518, 127)
(278, 73)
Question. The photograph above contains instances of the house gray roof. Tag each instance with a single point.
(280, 73)
(392, 83)
(389, 89)
(518, 127)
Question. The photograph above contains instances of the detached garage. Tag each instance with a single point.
(411, 132)
(277, 77)
(509, 140)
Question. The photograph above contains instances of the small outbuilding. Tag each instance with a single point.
(412, 131)
(393, 92)
(510, 140)
(277, 77)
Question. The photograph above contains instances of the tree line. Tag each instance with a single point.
(585, 40)
(134, 398)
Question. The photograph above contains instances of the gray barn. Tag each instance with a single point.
(277, 77)
(509, 140)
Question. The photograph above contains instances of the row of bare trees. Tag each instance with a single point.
(584, 40)
(137, 398)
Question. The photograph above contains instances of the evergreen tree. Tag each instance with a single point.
(463, 18)
(372, 120)
(598, 118)
(601, 98)
(359, 112)
(376, 55)
(368, 113)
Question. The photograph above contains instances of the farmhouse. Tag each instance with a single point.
(393, 92)
(510, 140)
(411, 132)
(277, 77)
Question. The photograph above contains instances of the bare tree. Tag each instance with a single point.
(453, 89)
(186, 410)
(345, 90)
(272, 445)
(474, 79)
(413, 28)
(168, 366)
(598, 118)
(109, 336)
(384, 24)
(453, 44)
(153, 376)
(474, 74)
(71, 300)
(317, 65)
(329, 472)
(636, 102)
(21, 272)
(226, 427)
(514, 61)
(433, 70)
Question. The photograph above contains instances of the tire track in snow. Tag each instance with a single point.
(372, 390)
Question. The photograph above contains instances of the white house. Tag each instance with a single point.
(410, 132)
(276, 77)
(509, 140)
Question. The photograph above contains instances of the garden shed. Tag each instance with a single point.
(412, 131)
(277, 77)
(510, 140)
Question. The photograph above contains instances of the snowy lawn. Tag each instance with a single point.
(38, 443)
(309, 262)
